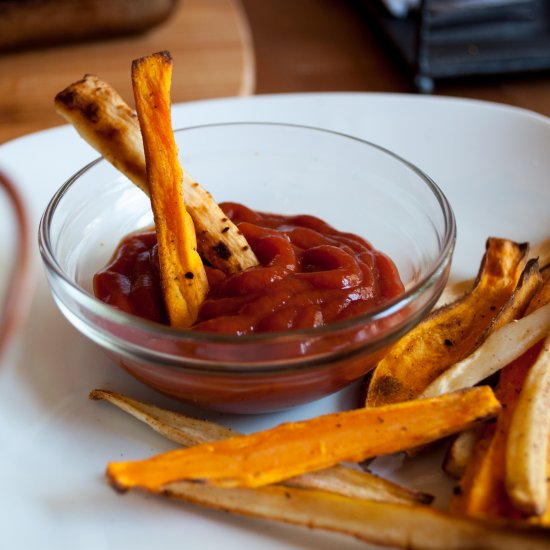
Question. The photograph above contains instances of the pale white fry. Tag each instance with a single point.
(347, 481)
(102, 117)
(499, 349)
(528, 440)
(395, 525)
(176, 427)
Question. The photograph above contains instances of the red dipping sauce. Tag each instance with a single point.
(309, 275)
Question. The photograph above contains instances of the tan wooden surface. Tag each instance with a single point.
(330, 45)
(232, 47)
(209, 41)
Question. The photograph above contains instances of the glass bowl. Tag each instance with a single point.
(354, 185)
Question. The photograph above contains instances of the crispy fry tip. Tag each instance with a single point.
(117, 486)
(95, 395)
(163, 55)
(424, 498)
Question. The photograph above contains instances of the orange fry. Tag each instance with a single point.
(182, 272)
(189, 431)
(107, 123)
(450, 333)
(296, 448)
(482, 492)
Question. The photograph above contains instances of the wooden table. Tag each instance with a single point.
(209, 41)
(296, 46)
(330, 45)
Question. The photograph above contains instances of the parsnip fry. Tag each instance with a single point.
(530, 282)
(501, 348)
(176, 427)
(541, 251)
(362, 484)
(460, 452)
(183, 278)
(107, 123)
(541, 298)
(296, 448)
(398, 526)
(189, 431)
(482, 489)
(490, 356)
(449, 334)
(528, 440)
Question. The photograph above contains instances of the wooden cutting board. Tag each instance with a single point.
(208, 39)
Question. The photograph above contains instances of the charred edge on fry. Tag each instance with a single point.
(222, 251)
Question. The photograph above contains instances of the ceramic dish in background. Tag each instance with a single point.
(354, 185)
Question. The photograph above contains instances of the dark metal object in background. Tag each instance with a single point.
(453, 38)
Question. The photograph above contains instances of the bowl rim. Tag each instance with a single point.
(389, 308)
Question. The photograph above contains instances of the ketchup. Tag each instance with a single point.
(310, 274)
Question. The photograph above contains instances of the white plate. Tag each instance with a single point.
(491, 160)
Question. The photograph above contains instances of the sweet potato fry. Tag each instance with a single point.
(395, 525)
(530, 282)
(540, 299)
(455, 290)
(482, 491)
(528, 439)
(297, 448)
(183, 278)
(190, 431)
(107, 123)
(500, 349)
(449, 334)
(495, 352)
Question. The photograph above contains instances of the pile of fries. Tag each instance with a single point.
(476, 373)
(143, 148)
(502, 467)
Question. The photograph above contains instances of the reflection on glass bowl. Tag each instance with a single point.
(354, 185)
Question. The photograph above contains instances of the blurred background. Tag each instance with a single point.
(397, 45)
(496, 50)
